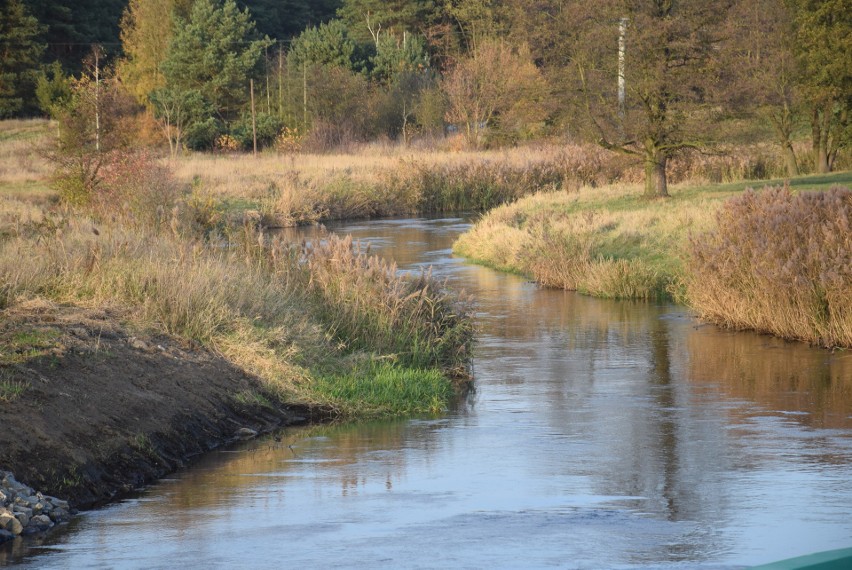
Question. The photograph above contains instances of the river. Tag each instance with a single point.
(600, 434)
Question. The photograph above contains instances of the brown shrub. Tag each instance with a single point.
(134, 187)
(778, 262)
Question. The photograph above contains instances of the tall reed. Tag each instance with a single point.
(371, 306)
(778, 262)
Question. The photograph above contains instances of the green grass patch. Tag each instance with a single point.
(382, 389)
(809, 182)
(26, 345)
(11, 390)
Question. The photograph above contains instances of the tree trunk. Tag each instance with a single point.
(790, 159)
(820, 122)
(783, 123)
(656, 185)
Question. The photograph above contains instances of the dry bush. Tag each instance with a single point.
(325, 137)
(136, 188)
(778, 262)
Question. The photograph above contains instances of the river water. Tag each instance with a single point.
(600, 434)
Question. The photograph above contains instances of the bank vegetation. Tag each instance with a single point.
(322, 323)
(772, 260)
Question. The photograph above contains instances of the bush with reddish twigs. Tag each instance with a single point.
(778, 262)
(134, 187)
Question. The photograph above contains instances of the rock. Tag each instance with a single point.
(23, 518)
(23, 511)
(11, 524)
(59, 515)
(57, 502)
(246, 433)
(9, 482)
(32, 502)
(40, 522)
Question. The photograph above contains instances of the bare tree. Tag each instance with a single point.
(764, 72)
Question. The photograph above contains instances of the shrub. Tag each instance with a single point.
(202, 135)
(267, 128)
(289, 141)
(135, 188)
(778, 262)
(226, 143)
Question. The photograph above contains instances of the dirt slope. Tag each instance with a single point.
(100, 412)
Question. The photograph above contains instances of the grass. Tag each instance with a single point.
(386, 181)
(23, 168)
(611, 242)
(607, 242)
(264, 304)
(598, 239)
(11, 390)
(388, 389)
(18, 346)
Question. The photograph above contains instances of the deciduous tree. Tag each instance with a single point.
(147, 28)
(497, 87)
(668, 68)
(762, 73)
(824, 48)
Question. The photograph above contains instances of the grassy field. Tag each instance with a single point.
(573, 216)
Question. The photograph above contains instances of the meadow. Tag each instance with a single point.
(791, 278)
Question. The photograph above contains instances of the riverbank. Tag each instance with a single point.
(126, 352)
(611, 242)
(326, 330)
(91, 411)
(94, 319)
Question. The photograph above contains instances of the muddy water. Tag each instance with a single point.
(600, 435)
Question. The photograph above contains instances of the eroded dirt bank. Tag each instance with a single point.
(99, 412)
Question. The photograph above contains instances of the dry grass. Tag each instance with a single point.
(607, 242)
(781, 266)
(370, 305)
(23, 168)
(778, 262)
(384, 180)
(260, 304)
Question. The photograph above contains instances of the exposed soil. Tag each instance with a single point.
(103, 412)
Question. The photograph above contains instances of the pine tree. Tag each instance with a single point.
(20, 53)
(215, 52)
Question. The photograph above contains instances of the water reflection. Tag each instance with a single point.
(810, 386)
(600, 434)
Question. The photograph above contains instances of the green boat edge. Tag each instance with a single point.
(828, 560)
